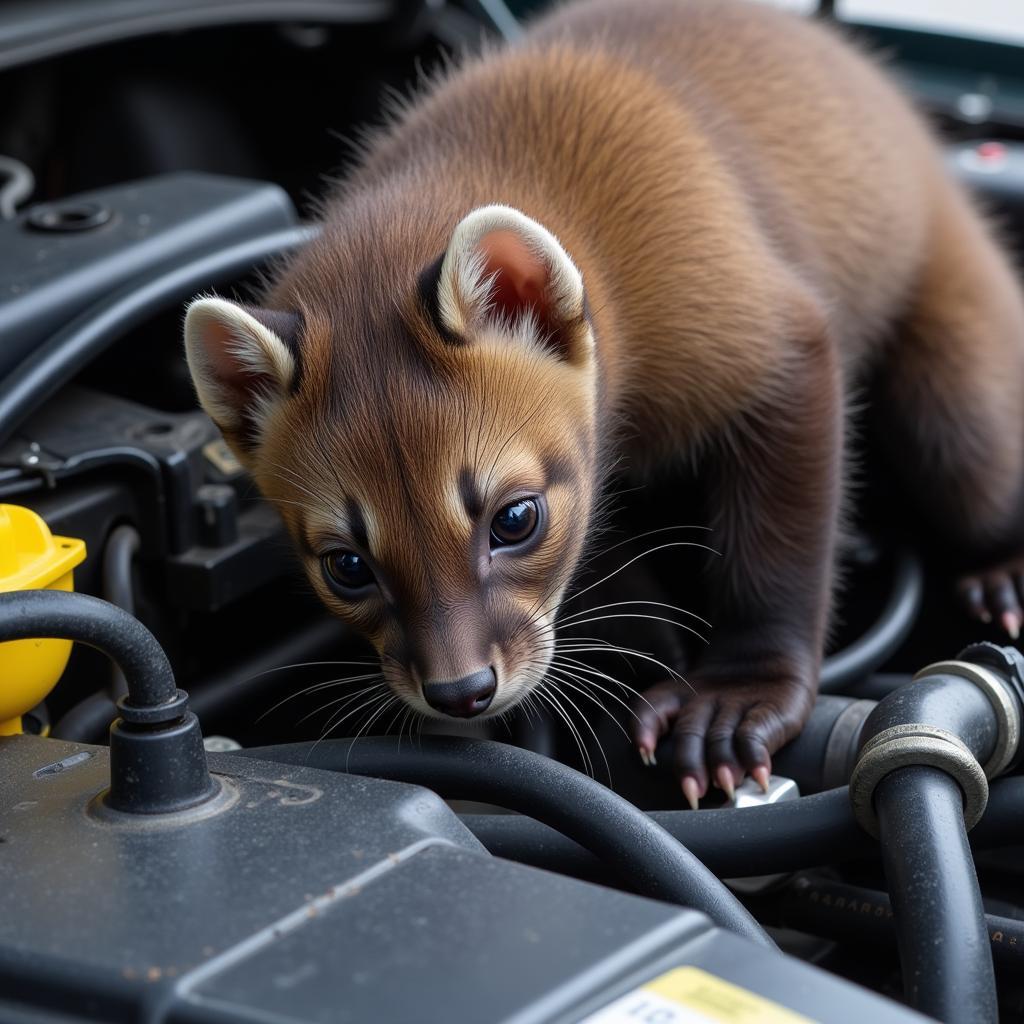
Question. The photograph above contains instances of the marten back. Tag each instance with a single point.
(687, 155)
(673, 230)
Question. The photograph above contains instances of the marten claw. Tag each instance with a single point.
(723, 733)
(996, 595)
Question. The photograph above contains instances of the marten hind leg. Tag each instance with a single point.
(952, 410)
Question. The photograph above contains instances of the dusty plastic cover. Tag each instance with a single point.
(310, 896)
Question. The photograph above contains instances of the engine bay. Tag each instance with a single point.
(301, 854)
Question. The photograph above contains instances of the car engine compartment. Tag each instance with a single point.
(317, 857)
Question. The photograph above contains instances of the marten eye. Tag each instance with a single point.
(514, 523)
(346, 571)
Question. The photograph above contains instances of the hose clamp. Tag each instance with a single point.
(1004, 704)
(903, 746)
(843, 743)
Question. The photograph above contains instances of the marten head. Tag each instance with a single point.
(433, 455)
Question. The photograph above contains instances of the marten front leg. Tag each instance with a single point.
(774, 490)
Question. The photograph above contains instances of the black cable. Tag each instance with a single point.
(884, 638)
(54, 363)
(118, 558)
(36, 614)
(646, 856)
(945, 953)
(851, 913)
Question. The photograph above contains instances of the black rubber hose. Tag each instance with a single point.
(54, 363)
(732, 842)
(55, 614)
(1003, 821)
(946, 702)
(774, 839)
(806, 758)
(883, 639)
(877, 686)
(945, 954)
(118, 558)
(89, 720)
(642, 852)
(851, 913)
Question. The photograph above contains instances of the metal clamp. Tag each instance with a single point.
(902, 746)
(843, 743)
(1003, 704)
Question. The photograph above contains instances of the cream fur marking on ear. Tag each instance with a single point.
(464, 287)
(238, 364)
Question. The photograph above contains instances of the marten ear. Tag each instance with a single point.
(506, 271)
(243, 361)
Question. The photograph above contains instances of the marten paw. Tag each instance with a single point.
(996, 595)
(720, 730)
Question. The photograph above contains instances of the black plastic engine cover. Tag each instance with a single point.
(57, 259)
(304, 896)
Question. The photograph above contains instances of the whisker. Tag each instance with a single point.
(308, 664)
(335, 722)
(633, 538)
(621, 604)
(566, 678)
(586, 722)
(636, 558)
(338, 717)
(586, 561)
(347, 699)
(316, 687)
(578, 666)
(636, 615)
(552, 699)
(627, 652)
(363, 729)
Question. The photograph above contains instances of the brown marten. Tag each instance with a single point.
(670, 232)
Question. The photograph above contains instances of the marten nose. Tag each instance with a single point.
(462, 698)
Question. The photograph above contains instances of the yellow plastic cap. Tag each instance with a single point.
(31, 558)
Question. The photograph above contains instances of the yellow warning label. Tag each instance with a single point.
(688, 995)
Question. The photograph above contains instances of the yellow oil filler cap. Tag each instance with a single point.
(31, 558)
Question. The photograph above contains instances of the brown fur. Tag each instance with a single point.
(760, 219)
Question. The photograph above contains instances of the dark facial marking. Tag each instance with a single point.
(471, 499)
(356, 522)
(557, 470)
